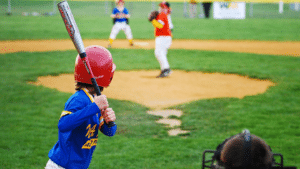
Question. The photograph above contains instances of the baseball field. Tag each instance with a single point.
(228, 75)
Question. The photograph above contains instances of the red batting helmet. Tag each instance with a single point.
(101, 63)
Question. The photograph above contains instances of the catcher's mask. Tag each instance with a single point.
(101, 63)
(242, 151)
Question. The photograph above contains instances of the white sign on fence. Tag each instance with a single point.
(229, 10)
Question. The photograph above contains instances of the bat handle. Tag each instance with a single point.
(110, 124)
(96, 87)
(98, 92)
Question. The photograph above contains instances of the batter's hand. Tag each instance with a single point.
(101, 102)
(108, 115)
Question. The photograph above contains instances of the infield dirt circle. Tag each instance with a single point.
(159, 93)
(181, 87)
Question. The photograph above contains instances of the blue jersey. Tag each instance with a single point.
(78, 132)
(116, 11)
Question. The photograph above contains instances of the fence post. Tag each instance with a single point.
(106, 7)
(281, 7)
(8, 8)
(54, 7)
(153, 6)
(251, 9)
(201, 10)
(185, 14)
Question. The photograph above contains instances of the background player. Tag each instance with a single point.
(120, 17)
(84, 114)
(163, 38)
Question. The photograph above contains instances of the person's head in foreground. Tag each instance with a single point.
(243, 151)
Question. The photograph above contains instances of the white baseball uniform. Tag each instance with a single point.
(120, 24)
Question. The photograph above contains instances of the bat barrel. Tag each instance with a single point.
(73, 31)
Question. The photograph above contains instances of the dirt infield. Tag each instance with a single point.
(181, 87)
(257, 47)
(143, 87)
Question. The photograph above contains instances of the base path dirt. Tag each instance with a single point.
(257, 47)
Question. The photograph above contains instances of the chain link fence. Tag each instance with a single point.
(141, 9)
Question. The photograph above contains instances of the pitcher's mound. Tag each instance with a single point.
(158, 93)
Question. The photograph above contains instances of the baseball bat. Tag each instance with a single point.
(73, 31)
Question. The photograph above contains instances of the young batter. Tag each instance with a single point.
(163, 39)
(84, 114)
(120, 17)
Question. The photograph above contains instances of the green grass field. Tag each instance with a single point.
(29, 114)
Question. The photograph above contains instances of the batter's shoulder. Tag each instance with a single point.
(78, 99)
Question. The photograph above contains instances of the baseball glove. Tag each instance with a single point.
(153, 15)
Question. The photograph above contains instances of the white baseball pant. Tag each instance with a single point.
(120, 26)
(52, 165)
(162, 44)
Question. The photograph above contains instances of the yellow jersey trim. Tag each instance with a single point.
(88, 94)
(65, 113)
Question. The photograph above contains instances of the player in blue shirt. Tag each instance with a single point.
(120, 17)
(84, 114)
